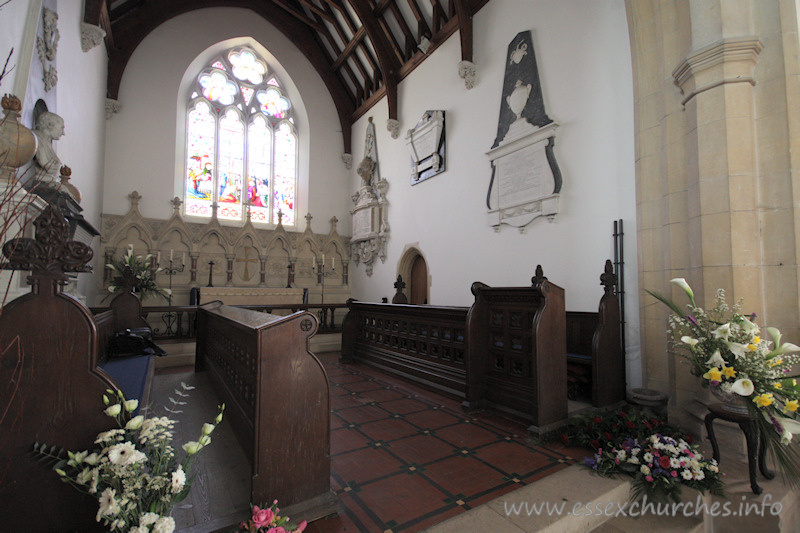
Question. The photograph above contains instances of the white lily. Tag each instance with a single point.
(689, 340)
(681, 282)
(716, 360)
(743, 387)
(738, 349)
(723, 332)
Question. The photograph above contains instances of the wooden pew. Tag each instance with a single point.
(51, 388)
(277, 399)
(506, 351)
(594, 350)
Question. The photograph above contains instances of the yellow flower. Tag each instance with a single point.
(791, 405)
(752, 347)
(763, 400)
(728, 372)
(775, 362)
(756, 339)
(778, 385)
(713, 375)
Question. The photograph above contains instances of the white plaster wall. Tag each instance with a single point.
(141, 147)
(79, 100)
(583, 55)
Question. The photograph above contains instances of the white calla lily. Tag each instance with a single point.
(691, 341)
(743, 387)
(749, 327)
(681, 282)
(786, 347)
(776, 335)
(723, 332)
(716, 360)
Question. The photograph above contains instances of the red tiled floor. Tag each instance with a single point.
(421, 449)
(345, 439)
(388, 429)
(404, 459)
(360, 466)
(466, 435)
(464, 475)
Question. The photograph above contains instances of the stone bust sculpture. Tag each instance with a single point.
(49, 127)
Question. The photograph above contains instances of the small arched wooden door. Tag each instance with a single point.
(418, 282)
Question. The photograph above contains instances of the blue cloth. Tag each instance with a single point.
(130, 373)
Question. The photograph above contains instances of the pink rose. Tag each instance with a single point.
(278, 529)
(649, 478)
(261, 517)
(301, 527)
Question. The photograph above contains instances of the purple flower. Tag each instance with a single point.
(691, 319)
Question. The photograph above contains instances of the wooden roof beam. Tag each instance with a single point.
(302, 17)
(464, 15)
(319, 11)
(422, 24)
(388, 62)
(96, 12)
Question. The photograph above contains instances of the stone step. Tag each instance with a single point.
(179, 353)
(564, 502)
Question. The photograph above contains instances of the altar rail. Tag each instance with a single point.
(183, 318)
(506, 351)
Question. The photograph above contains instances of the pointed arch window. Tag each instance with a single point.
(241, 142)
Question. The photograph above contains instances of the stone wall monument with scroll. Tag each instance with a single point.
(426, 143)
(370, 225)
(525, 181)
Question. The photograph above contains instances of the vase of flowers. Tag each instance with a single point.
(267, 520)
(136, 274)
(133, 471)
(725, 349)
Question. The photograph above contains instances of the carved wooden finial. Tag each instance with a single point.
(308, 221)
(399, 297)
(538, 277)
(50, 251)
(608, 279)
(280, 218)
(334, 221)
(214, 207)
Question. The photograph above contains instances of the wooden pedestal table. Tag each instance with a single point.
(756, 442)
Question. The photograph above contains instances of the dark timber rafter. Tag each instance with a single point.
(387, 60)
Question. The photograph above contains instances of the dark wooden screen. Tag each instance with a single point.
(424, 344)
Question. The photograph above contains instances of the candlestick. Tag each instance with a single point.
(170, 254)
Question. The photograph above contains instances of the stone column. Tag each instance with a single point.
(716, 95)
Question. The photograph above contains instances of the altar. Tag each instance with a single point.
(252, 295)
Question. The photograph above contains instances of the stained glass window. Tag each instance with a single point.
(241, 148)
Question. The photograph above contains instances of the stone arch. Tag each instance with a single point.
(411, 254)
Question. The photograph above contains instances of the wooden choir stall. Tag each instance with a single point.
(277, 399)
(52, 380)
(509, 351)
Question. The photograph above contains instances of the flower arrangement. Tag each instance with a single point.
(134, 273)
(133, 472)
(267, 520)
(660, 467)
(725, 349)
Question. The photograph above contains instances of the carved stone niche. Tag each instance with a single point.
(426, 142)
